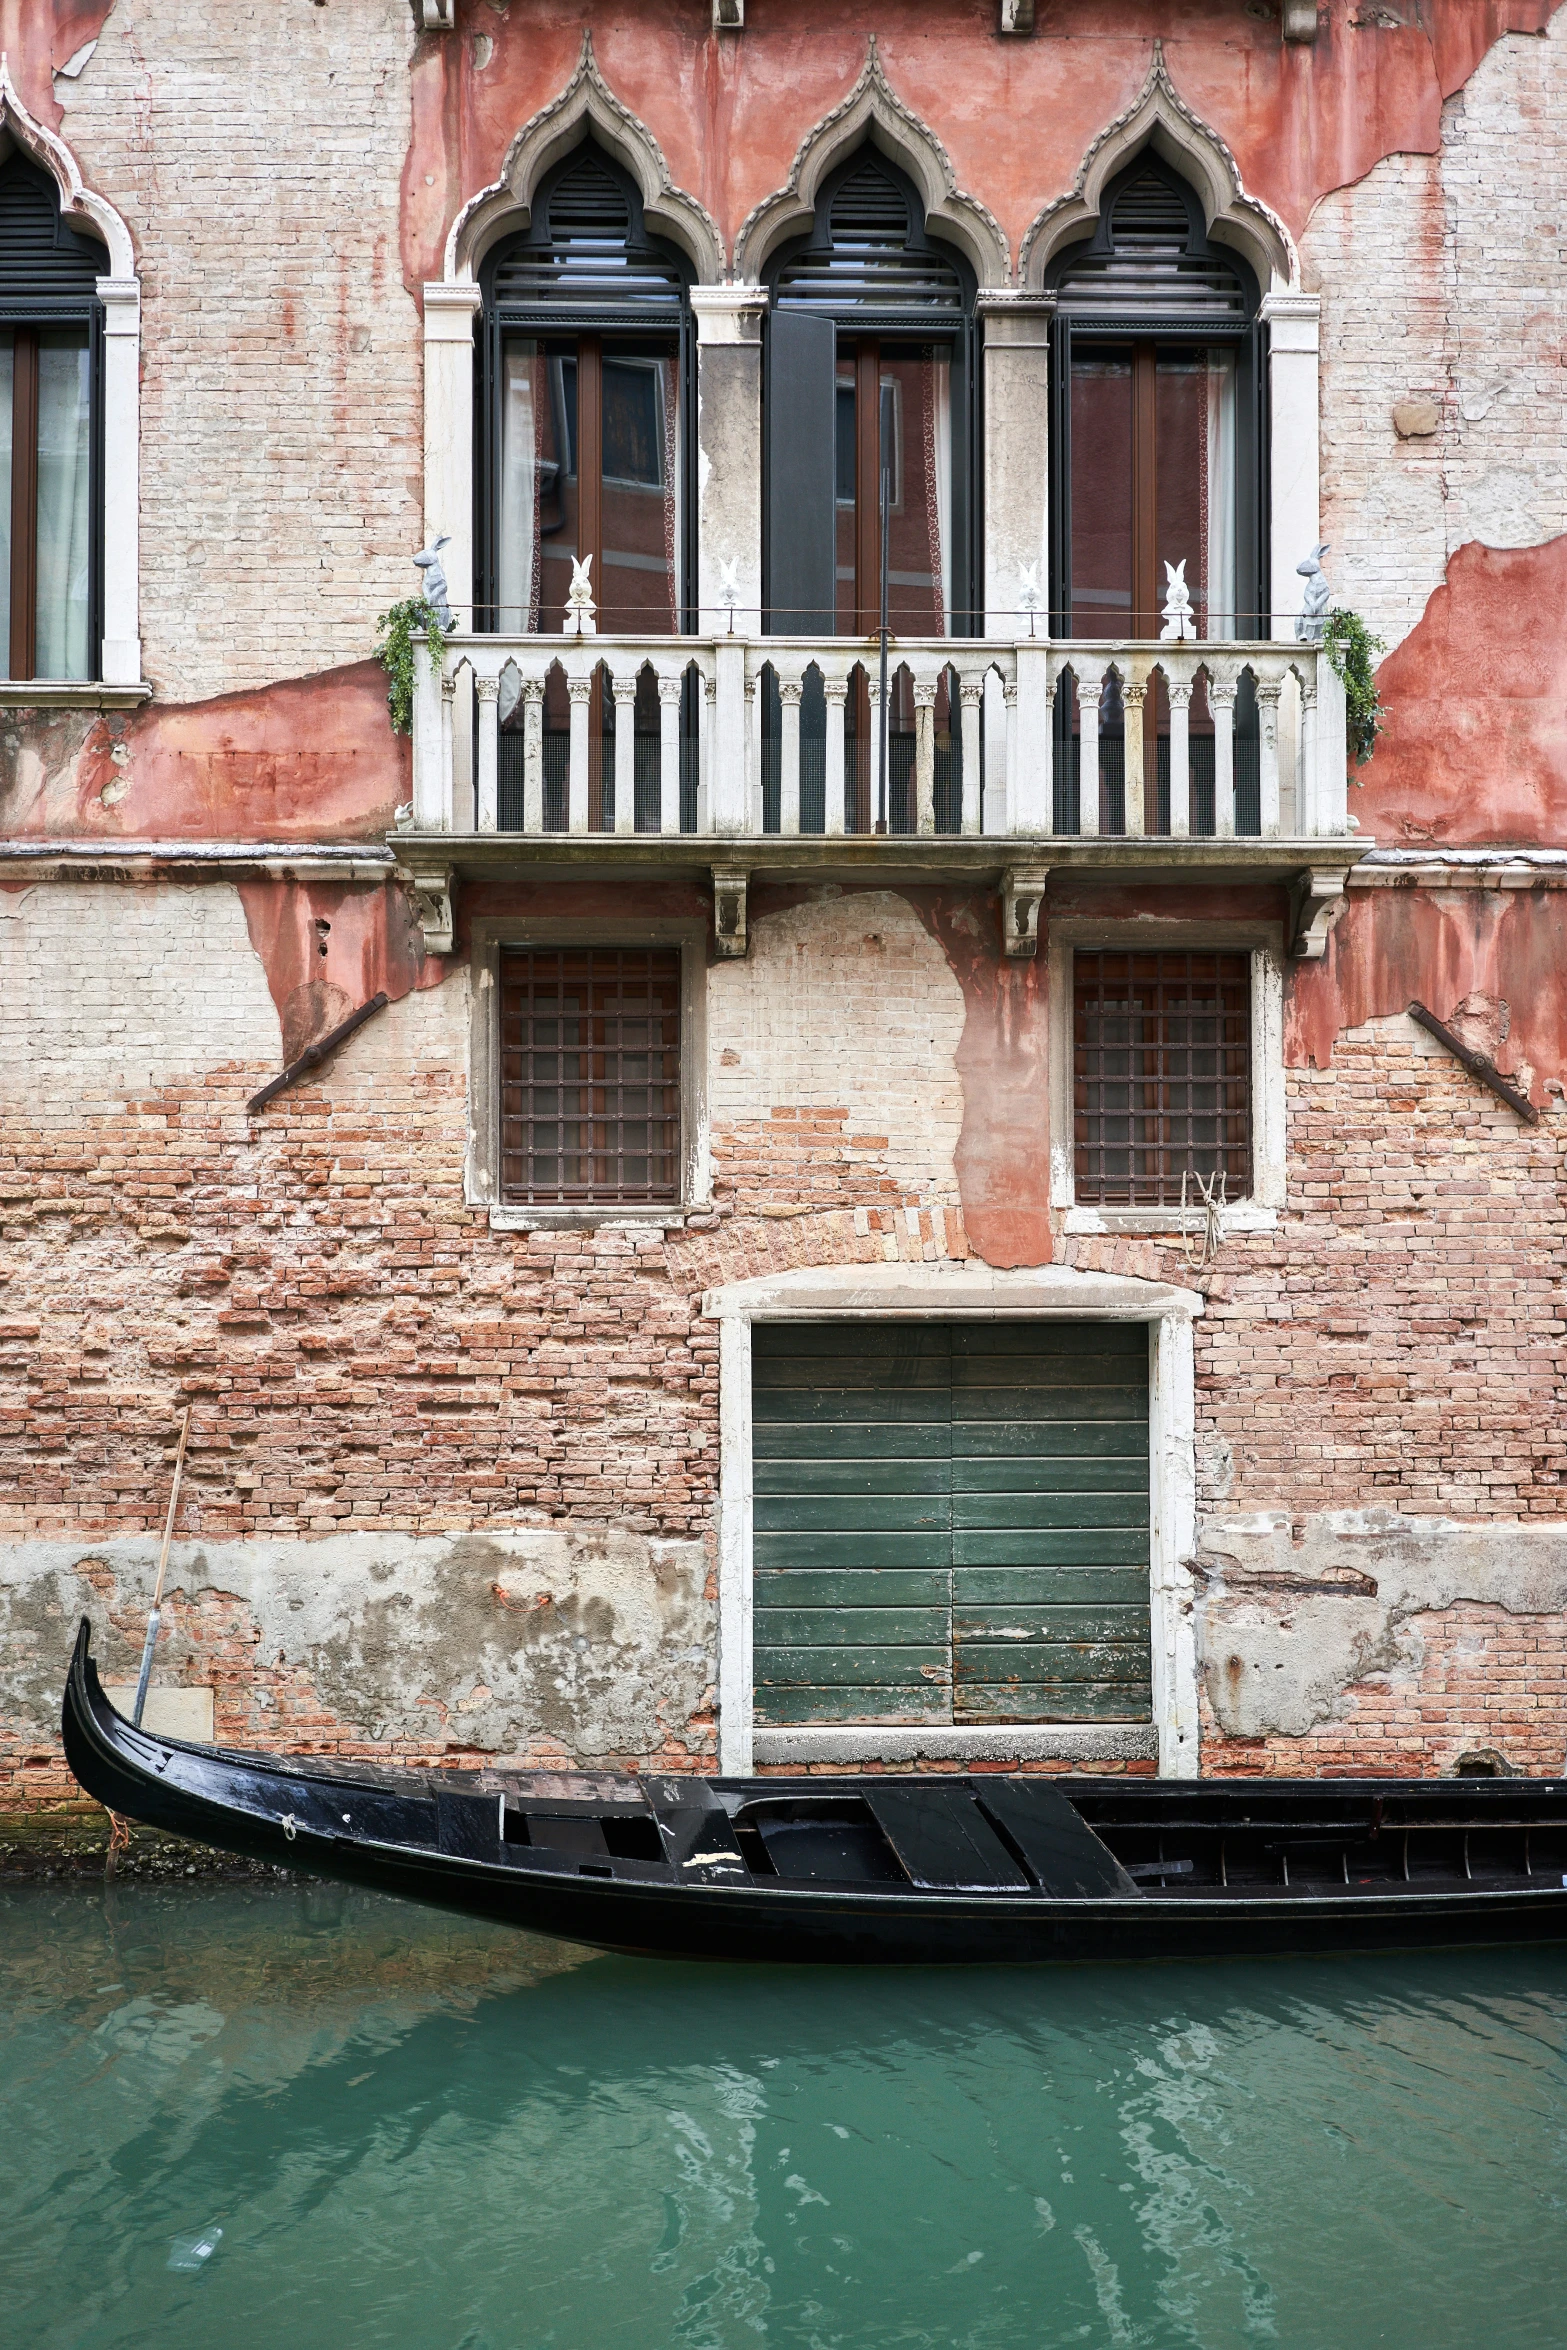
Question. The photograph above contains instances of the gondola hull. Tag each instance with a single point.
(883, 1870)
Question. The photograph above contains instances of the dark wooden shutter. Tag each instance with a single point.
(801, 475)
(951, 1522)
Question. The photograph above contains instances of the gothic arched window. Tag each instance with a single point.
(870, 355)
(1157, 454)
(51, 345)
(586, 393)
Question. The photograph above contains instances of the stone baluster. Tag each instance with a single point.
(669, 695)
(448, 748)
(533, 755)
(580, 690)
(487, 810)
(1088, 688)
(837, 693)
(625, 693)
(971, 706)
(1268, 692)
(1221, 701)
(1134, 695)
(789, 692)
(1180, 693)
(925, 757)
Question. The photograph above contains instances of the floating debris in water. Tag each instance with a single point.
(190, 2252)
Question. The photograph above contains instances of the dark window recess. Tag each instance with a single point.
(1161, 1074)
(590, 1075)
(51, 504)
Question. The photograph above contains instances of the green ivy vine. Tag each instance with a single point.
(1351, 647)
(395, 632)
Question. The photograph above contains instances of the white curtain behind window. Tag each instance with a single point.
(64, 537)
(1219, 498)
(517, 571)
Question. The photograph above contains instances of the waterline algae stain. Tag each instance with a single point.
(426, 2134)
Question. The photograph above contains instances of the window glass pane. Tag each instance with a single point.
(1101, 586)
(1194, 482)
(638, 583)
(1161, 1077)
(590, 1074)
(64, 536)
(7, 385)
(919, 564)
(556, 410)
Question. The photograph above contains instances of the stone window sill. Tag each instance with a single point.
(1078, 1742)
(69, 693)
(1236, 1216)
(670, 1217)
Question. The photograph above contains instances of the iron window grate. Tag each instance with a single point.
(1161, 1076)
(590, 1075)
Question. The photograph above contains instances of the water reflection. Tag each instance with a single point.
(419, 2132)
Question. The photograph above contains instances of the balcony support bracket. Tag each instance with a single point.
(1316, 901)
(1022, 897)
(730, 938)
(431, 889)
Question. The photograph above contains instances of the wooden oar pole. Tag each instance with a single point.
(163, 1566)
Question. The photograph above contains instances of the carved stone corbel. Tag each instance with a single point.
(1022, 897)
(1017, 16)
(729, 16)
(729, 931)
(431, 889)
(1300, 20)
(1316, 901)
(437, 16)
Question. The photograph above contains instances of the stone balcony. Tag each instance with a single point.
(735, 757)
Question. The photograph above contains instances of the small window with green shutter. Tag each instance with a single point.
(951, 1522)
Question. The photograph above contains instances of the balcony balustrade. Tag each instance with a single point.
(727, 738)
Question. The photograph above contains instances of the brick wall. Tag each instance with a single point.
(256, 153)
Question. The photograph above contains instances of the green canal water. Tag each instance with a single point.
(429, 2135)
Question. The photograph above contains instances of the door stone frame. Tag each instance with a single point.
(956, 1293)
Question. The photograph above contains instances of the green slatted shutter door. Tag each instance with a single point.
(951, 1522)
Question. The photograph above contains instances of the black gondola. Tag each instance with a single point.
(991, 1868)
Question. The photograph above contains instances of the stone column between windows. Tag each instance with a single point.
(1292, 323)
(121, 649)
(449, 314)
(729, 452)
(1015, 463)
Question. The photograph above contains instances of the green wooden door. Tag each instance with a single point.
(951, 1522)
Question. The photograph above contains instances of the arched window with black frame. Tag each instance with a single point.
(586, 393)
(51, 463)
(1158, 432)
(870, 337)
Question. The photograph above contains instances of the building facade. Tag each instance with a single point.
(938, 1170)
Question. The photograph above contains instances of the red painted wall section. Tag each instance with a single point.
(1475, 745)
(1015, 116)
(328, 947)
(37, 37)
(312, 758)
(1395, 946)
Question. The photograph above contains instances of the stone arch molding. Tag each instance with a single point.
(120, 294)
(874, 110)
(1159, 117)
(586, 104)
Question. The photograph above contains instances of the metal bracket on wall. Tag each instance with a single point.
(729, 929)
(1476, 1063)
(431, 886)
(437, 16)
(1017, 16)
(1022, 898)
(1316, 901)
(1300, 20)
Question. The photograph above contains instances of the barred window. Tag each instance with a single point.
(590, 1075)
(1161, 1076)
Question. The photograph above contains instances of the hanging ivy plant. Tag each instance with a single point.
(395, 632)
(1351, 647)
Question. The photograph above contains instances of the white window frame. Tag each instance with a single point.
(481, 1171)
(119, 653)
(1264, 943)
(981, 1293)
